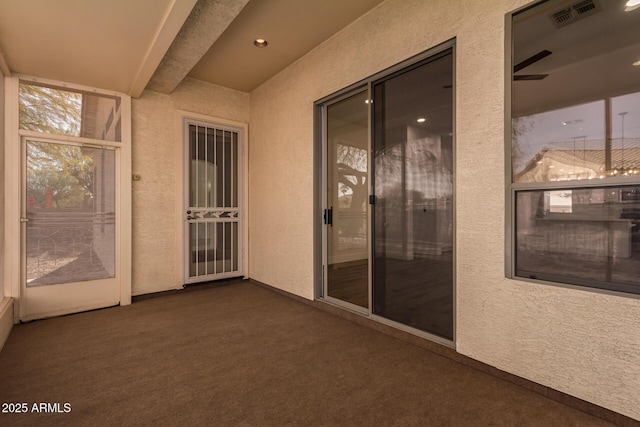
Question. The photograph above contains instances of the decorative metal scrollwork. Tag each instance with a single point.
(195, 215)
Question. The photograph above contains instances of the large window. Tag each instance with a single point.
(575, 144)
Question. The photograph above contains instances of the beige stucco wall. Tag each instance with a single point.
(155, 149)
(2, 101)
(579, 342)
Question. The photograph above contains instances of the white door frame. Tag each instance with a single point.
(182, 185)
(13, 163)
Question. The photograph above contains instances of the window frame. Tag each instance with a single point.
(512, 188)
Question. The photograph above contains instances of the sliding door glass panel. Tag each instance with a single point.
(413, 184)
(347, 193)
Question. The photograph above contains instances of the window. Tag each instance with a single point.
(575, 144)
(58, 111)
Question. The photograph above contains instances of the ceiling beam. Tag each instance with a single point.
(173, 21)
(207, 21)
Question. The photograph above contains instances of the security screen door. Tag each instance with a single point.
(213, 208)
(69, 220)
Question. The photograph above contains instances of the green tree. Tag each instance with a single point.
(48, 110)
(62, 168)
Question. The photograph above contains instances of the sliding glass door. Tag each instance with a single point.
(388, 196)
(413, 187)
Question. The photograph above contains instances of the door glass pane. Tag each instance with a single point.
(227, 169)
(347, 196)
(235, 246)
(210, 160)
(202, 171)
(70, 205)
(234, 176)
(413, 183)
(219, 182)
(193, 169)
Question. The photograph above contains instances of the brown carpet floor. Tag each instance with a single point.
(242, 355)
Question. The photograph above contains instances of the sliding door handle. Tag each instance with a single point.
(328, 216)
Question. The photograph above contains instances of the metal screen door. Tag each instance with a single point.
(69, 234)
(213, 206)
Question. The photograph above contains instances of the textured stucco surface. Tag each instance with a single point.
(155, 148)
(582, 343)
(206, 22)
(1, 184)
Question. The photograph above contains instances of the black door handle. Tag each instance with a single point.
(328, 216)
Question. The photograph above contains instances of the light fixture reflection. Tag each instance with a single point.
(632, 5)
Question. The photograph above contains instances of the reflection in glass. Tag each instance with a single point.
(560, 145)
(576, 120)
(347, 191)
(63, 112)
(575, 105)
(573, 143)
(70, 205)
(583, 236)
(413, 213)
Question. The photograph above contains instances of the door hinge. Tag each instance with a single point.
(372, 199)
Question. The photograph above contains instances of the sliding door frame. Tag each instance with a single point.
(320, 180)
(324, 179)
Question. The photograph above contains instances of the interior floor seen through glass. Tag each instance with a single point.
(413, 185)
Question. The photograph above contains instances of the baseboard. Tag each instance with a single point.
(6, 319)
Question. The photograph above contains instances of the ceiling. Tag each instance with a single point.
(127, 46)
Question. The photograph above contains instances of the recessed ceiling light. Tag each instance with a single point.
(260, 43)
(637, 63)
(421, 120)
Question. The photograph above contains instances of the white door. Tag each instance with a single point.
(213, 211)
(69, 227)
